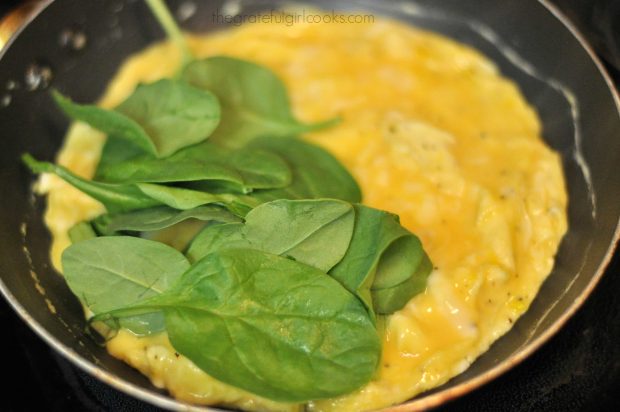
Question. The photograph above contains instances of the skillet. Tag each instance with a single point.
(556, 72)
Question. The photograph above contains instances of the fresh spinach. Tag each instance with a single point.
(120, 197)
(314, 232)
(219, 237)
(260, 169)
(165, 19)
(244, 169)
(389, 299)
(382, 256)
(301, 277)
(272, 326)
(254, 100)
(172, 113)
(158, 118)
(108, 272)
(116, 150)
(115, 197)
(158, 218)
(365, 249)
(108, 121)
(81, 231)
(183, 199)
(316, 173)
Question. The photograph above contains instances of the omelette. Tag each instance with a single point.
(432, 132)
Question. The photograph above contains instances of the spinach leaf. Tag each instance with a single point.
(254, 100)
(269, 325)
(261, 169)
(183, 199)
(389, 299)
(158, 118)
(368, 251)
(165, 19)
(81, 231)
(110, 272)
(385, 264)
(116, 150)
(108, 121)
(219, 237)
(244, 169)
(157, 218)
(173, 113)
(115, 197)
(314, 232)
(118, 197)
(316, 174)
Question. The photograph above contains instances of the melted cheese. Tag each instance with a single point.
(432, 132)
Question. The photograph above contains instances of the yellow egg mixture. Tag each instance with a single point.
(433, 133)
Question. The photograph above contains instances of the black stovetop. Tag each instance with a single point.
(577, 370)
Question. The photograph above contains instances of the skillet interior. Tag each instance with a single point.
(562, 69)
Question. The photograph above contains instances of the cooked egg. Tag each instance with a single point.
(432, 132)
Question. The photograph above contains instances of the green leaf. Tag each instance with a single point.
(316, 174)
(254, 100)
(81, 231)
(108, 121)
(183, 199)
(116, 150)
(158, 218)
(172, 113)
(110, 272)
(261, 169)
(365, 249)
(269, 325)
(216, 238)
(158, 119)
(165, 19)
(115, 197)
(314, 232)
(244, 169)
(385, 264)
(388, 299)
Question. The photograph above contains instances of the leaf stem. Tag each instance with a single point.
(162, 14)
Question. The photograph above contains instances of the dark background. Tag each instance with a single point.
(577, 370)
